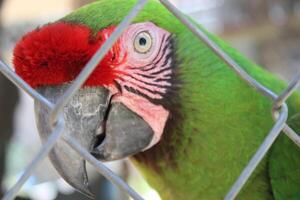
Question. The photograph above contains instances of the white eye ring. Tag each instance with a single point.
(143, 42)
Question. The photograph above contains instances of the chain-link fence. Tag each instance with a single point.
(279, 111)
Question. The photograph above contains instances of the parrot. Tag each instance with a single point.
(161, 97)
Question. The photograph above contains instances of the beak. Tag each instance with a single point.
(108, 131)
(126, 134)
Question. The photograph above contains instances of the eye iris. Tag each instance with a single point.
(143, 41)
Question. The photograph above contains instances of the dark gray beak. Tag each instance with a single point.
(108, 131)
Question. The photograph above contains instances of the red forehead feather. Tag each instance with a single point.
(56, 53)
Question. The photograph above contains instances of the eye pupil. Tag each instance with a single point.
(142, 41)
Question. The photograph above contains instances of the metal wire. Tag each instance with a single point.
(261, 152)
(102, 169)
(279, 112)
(280, 101)
(11, 194)
(287, 92)
(63, 101)
(92, 64)
(277, 128)
(20, 83)
(292, 135)
(227, 59)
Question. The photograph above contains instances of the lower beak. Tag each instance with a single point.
(108, 131)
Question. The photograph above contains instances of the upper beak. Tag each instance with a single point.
(108, 131)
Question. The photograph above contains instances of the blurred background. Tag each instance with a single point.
(266, 31)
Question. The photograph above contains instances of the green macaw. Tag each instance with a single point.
(163, 97)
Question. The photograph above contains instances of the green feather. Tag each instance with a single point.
(284, 165)
(222, 119)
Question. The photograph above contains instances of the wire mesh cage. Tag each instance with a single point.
(279, 111)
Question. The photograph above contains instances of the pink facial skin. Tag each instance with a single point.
(144, 77)
(137, 70)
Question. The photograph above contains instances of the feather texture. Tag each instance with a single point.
(217, 121)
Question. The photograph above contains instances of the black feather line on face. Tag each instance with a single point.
(152, 84)
(168, 97)
(157, 59)
(165, 150)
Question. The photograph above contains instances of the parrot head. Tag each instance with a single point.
(123, 107)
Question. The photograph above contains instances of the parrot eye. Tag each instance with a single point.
(143, 42)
